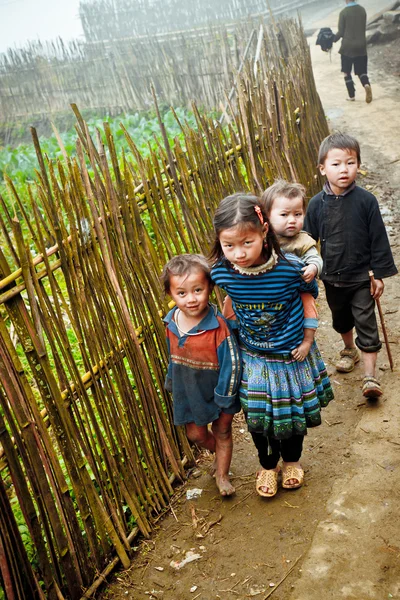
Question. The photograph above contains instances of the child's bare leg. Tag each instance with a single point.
(303, 349)
(222, 429)
(201, 436)
(204, 438)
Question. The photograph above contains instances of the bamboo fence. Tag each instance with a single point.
(113, 73)
(114, 19)
(89, 451)
(116, 76)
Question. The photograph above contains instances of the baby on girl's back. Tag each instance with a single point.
(285, 204)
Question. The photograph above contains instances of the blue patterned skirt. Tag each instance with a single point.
(281, 396)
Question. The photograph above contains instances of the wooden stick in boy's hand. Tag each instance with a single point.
(378, 303)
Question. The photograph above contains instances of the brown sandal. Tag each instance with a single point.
(371, 387)
(267, 478)
(292, 472)
(348, 359)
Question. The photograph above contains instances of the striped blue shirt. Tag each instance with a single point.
(268, 306)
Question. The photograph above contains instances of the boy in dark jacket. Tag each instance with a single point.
(353, 49)
(347, 221)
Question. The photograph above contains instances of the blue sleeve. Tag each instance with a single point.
(227, 388)
(310, 288)
(311, 323)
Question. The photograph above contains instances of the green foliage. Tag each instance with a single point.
(20, 162)
(24, 532)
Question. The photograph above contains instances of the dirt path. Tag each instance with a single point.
(338, 536)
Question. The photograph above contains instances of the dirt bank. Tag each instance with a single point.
(338, 536)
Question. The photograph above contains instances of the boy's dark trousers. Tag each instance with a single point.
(353, 306)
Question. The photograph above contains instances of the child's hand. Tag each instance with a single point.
(377, 287)
(309, 273)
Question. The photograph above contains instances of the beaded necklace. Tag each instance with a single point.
(259, 269)
(177, 313)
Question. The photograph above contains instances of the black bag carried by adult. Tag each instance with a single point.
(325, 39)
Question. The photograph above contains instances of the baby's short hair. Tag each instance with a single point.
(339, 140)
(282, 188)
(184, 264)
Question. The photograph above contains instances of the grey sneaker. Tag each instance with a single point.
(351, 99)
(368, 93)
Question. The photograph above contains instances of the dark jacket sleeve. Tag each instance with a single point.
(311, 224)
(382, 263)
(340, 27)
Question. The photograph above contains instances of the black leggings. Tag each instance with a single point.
(351, 90)
(289, 450)
(360, 64)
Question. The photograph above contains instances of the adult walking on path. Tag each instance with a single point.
(353, 49)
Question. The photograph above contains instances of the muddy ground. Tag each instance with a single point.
(338, 536)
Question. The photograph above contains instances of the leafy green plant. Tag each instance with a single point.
(24, 532)
(20, 162)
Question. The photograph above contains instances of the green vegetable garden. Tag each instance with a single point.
(20, 162)
(89, 456)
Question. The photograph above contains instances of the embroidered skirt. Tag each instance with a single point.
(281, 396)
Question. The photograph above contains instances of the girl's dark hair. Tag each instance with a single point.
(238, 210)
(283, 189)
(184, 264)
(341, 141)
